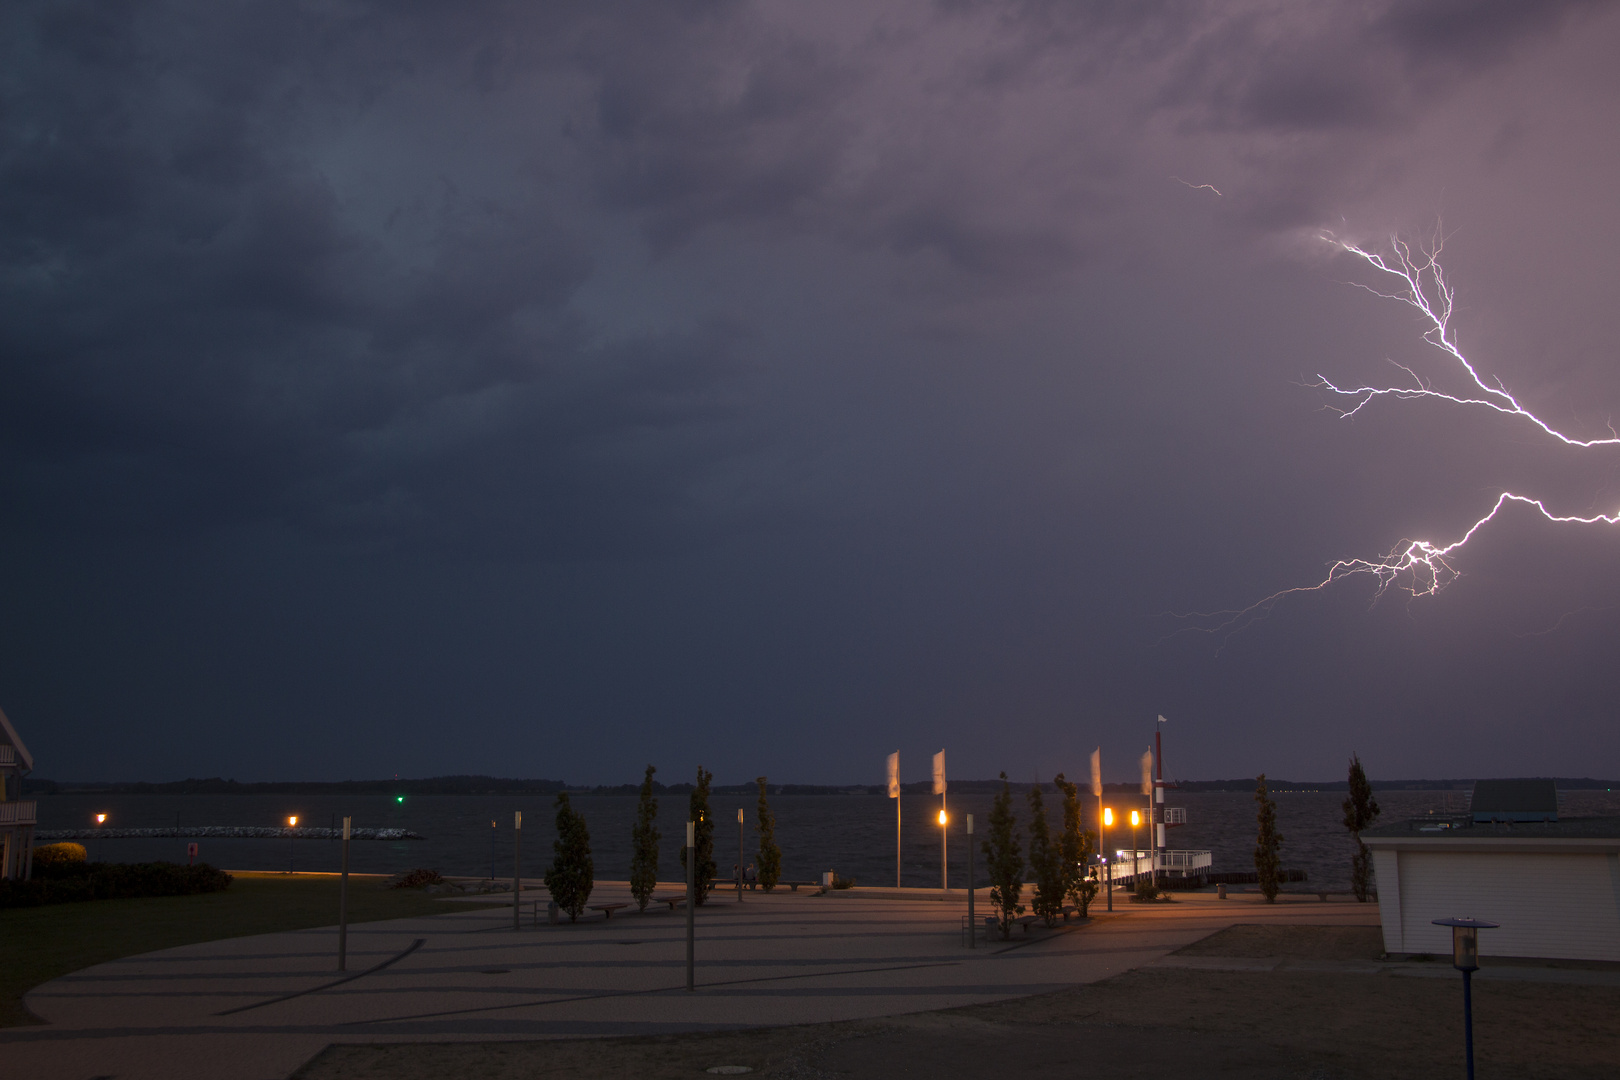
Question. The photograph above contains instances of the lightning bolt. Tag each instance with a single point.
(1198, 187)
(1424, 287)
(1418, 567)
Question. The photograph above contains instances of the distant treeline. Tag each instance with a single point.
(493, 785)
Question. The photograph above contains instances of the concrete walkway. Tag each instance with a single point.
(257, 1008)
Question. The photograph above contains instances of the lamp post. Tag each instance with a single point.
(973, 928)
(517, 867)
(101, 819)
(691, 903)
(492, 852)
(292, 823)
(1102, 845)
(1136, 852)
(1465, 958)
(343, 903)
(944, 855)
(739, 854)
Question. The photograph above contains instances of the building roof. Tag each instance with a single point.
(1515, 800)
(8, 734)
(1457, 827)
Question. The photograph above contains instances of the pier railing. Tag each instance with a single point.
(1129, 864)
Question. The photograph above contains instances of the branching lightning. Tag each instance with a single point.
(1419, 567)
(1424, 287)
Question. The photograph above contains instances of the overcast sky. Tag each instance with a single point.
(550, 389)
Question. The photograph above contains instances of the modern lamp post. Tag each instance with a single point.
(1136, 851)
(739, 854)
(1102, 845)
(1465, 958)
(944, 856)
(292, 823)
(973, 929)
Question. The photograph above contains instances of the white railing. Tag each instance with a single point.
(18, 813)
(1128, 864)
(1174, 815)
(8, 755)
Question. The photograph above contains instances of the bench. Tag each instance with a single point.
(607, 910)
(794, 885)
(674, 900)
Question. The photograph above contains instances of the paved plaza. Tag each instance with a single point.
(257, 1008)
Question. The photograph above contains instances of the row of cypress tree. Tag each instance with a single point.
(571, 875)
(1360, 810)
(1057, 864)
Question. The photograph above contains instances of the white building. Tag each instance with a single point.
(17, 815)
(1553, 885)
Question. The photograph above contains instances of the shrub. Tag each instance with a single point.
(1360, 809)
(843, 882)
(572, 872)
(50, 856)
(113, 881)
(1076, 848)
(644, 839)
(1267, 841)
(1004, 860)
(1045, 862)
(1147, 892)
(703, 837)
(416, 879)
(770, 856)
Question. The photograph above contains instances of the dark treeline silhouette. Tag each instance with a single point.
(494, 785)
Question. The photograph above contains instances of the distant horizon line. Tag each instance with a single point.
(478, 784)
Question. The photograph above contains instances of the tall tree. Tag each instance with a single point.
(1004, 859)
(1266, 861)
(1075, 847)
(770, 856)
(644, 837)
(572, 873)
(1360, 808)
(698, 811)
(1045, 861)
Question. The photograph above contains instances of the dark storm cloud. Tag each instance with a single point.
(194, 312)
(751, 381)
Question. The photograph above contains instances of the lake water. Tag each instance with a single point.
(851, 834)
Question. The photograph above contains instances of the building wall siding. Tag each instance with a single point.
(1549, 905)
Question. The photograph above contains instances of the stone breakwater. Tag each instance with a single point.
(222, 832)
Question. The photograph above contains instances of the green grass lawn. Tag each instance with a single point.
(39, 944)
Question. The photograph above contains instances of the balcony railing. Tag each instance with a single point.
(18, 813)
(8, 755)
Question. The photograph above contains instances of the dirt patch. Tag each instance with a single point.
(1293, 942)
(1147, 1023)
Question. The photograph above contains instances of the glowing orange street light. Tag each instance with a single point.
(101, 819)
(1136, 819)
(292, 823)
(1102, 846)
(293, 820)
(942, 817)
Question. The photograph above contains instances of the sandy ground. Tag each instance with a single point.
(1325, 1013)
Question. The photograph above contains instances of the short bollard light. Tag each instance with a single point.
(1465, 958)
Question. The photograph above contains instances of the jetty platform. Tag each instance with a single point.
(258, 1008)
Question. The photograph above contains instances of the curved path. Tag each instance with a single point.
(257, 1008)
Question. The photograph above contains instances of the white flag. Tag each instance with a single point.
(1147, 772)
(894, 775)
(1096, 772)
(939, 773)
